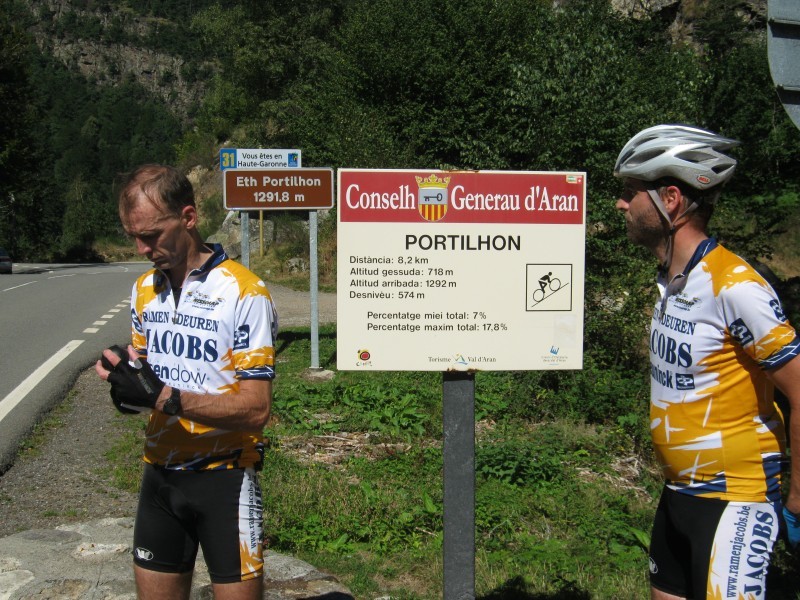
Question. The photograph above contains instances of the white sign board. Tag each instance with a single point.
(258, 158)
(441, 270)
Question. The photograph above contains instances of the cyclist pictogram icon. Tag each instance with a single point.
(548, 285)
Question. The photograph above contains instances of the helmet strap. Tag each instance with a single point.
(670, 223)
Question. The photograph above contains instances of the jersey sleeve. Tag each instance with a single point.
(255, 332)
(755, 319)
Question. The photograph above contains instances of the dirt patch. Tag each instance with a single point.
(294, 307)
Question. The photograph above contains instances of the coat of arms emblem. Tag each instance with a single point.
(432, 203)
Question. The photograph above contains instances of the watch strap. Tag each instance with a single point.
(173, 404)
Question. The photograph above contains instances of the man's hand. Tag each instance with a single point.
(792, 527)
(134, 385)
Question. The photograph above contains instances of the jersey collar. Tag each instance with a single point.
(677, 283)
(702, 249)
(218, 255)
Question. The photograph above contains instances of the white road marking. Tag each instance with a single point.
(91, 330)
(8, 403)
(19, 286)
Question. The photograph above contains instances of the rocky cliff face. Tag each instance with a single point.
(110, 63)
(688, 9)
(683, 13)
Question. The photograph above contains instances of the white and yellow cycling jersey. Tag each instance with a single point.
(715, 330)
(221, 331)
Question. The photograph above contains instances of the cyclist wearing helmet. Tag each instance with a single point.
(719, 341)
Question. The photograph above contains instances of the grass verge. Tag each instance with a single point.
(353, 484)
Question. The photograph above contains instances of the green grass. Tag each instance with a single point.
(32, 445)
(552, 515)
(353, 484)
(125, 456)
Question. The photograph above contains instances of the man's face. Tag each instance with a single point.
(643, 221)
(159, 235)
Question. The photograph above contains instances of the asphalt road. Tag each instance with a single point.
(54, 322)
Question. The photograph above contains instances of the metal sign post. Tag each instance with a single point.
(313, 285)
(458, 404)
(245, 226)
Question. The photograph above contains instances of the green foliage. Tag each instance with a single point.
(753, 211)
(321, 511)
(66, 138)
(478, 84)
(194, 148)
(125, 457)
(545, 504)
(752, 226)
(95, 134)
(85, 215)
(518, 462)
(29, 212)
(212, 215)
(395, 412)
(597, 394)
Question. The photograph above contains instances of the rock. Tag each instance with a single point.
(230, 234)
(317, 374)
(297, 265)
(93, 560)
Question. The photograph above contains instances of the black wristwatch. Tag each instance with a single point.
(173, 404)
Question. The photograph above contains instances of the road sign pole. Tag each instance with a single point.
(458, 403)
(261, 233)
(245, 220)
(313, 288)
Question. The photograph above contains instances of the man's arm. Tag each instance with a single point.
(787, 379)
(245, 410)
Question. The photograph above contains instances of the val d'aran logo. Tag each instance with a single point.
(432, 203)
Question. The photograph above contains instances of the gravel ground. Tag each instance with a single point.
(64, 477)
(61, 479)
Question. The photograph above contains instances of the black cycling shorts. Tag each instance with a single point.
(703, 547)
(221, 511)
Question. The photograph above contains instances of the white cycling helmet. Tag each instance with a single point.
(688, 154)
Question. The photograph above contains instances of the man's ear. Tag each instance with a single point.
(674, 200)
(189, 216)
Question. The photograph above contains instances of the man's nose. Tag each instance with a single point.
(622, 205)
(141, 247)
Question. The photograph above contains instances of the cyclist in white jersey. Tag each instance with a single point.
(719, 342)
(202, 362)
